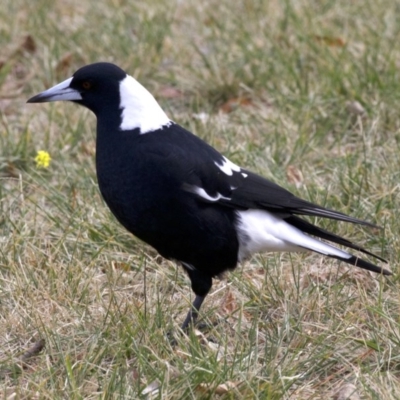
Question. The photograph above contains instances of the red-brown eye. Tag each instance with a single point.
(86, 85)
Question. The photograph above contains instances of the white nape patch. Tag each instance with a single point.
(139, 108)
(227, 167)
(261, 231)
(202, 193)
(244, 175)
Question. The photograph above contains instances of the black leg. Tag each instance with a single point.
(201, 285)
(193, 312)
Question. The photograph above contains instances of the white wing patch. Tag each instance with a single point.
(188, 266)
(227, 167)
(139, 108)
(260, 231)
(202, 193)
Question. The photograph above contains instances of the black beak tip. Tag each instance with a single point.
(36, 99)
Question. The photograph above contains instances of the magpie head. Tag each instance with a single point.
(108, 91)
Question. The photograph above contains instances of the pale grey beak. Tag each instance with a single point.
(61, 91)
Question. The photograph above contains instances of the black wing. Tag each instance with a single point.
(209, 175)
(243, 189)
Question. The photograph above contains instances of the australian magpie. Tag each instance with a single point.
(180, 195)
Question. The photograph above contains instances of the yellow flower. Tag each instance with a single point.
(42, 159)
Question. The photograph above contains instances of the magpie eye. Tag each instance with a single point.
(86, 85)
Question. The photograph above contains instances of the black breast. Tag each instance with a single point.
(141, 177)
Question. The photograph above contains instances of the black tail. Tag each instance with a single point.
(313, 230)
(360, 263)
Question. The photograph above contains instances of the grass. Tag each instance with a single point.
(305, 93)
